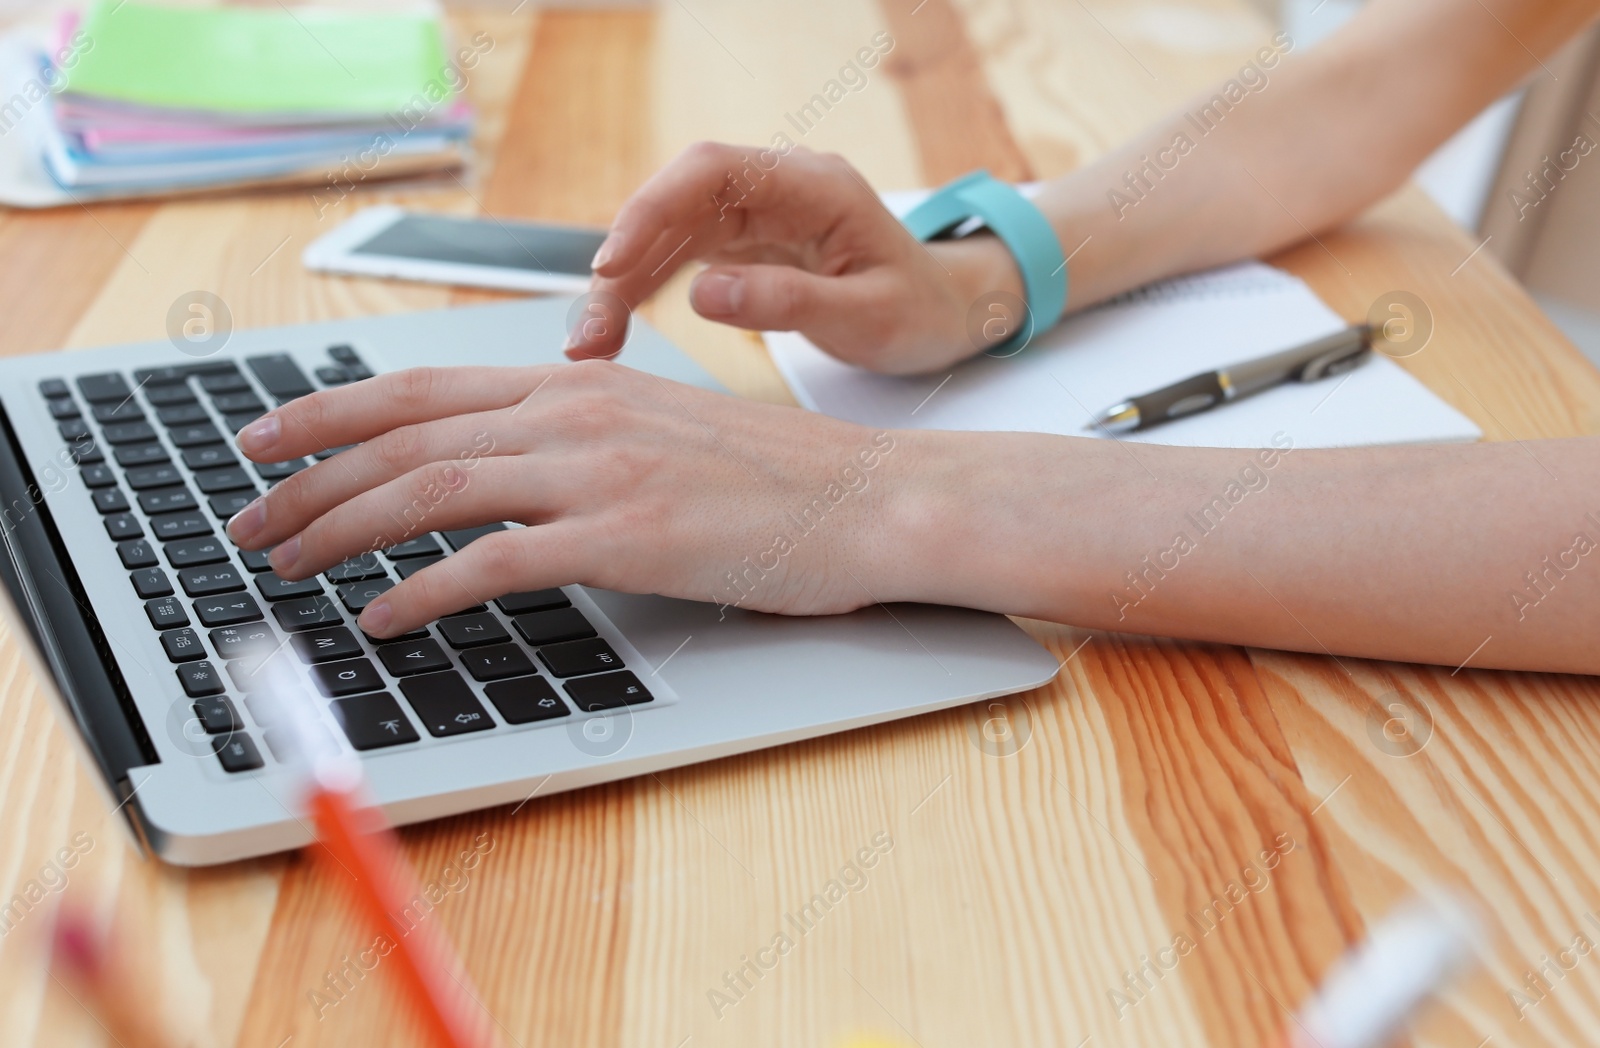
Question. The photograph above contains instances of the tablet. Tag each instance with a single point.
(389, 241)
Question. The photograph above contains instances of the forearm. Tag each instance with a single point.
(1416, 554)
(1294, 144)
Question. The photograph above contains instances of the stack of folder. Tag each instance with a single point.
(148, 98)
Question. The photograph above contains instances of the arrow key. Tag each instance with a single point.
(373, 721)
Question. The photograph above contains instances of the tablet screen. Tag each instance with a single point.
(486, 242)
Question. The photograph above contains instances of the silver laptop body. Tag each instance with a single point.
(707, 681)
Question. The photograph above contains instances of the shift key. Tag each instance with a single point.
(445, 704)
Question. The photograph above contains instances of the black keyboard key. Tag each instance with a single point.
(109, 386)
(227, 610)
(110, 500)
(228, 403)
(256, 559)
(275, 588)
(551, 627)
(209, 456)
(445, 704)
(195, 435)
(413, 635)
(167, 500)
(98, 476)
(357, 595)
(200, 679)
(346, 677)
(223, 507)
(85, 452)
(125, 411)
(182, 415)
(342, 353)
(373, 721)
(171, 526)
(64, 408)
(196, 551)
(497, 662)
(229, 381)
(215, 481)
(357, 373)
(255, 641)
(281, 376)
(123, 526)
(407, 568)
(534, 600)
(326, 645)
(183, 645)
(413, 656)
(356, 569)
(526, 699)
(306, 613)
(271, 471)
(421, 546)
(580, 656)
(151, 583)
(162, 376)
(458, 539)
(136, 553)
(238, 752)
(607, 691)
(130, 455)
(54, 387)
(237, 420)
(469, 631)
(168, 396)
(330, 375)
(143, 478)
(217, 715)
(73, 429)
(207, 581)
(127, 433)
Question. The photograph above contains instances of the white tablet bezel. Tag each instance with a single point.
(335, 253)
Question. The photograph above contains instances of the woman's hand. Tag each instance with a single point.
(796, 242)
(626, 481)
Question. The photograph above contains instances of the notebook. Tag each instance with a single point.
(1134, 344)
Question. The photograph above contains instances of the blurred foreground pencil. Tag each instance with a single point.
(100, 980)
(1416, 951)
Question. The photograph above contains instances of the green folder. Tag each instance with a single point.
(255, 61)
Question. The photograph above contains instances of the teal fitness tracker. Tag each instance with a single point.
(1023, 229)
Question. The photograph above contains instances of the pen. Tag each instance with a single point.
(1332, 355)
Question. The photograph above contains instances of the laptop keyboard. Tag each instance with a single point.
(220, 610)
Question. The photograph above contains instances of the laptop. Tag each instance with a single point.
(117, 471)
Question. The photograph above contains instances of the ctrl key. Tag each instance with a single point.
(238, 752)
(373, 721)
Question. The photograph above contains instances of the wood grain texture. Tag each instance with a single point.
(1029, 855)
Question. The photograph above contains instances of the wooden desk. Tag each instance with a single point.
(1020, 886)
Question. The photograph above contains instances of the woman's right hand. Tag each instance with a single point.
(798, 242)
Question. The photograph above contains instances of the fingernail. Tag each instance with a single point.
(284, 554)
(376, 618)
(248, 522)
(718, 295)
(608, 248)
(260, 434)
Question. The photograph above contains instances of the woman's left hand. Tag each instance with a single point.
(625, 480)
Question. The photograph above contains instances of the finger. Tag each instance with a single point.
(439, 496)
(504, 562)
(681, 194)
(360, 411)
(462, 442)
(783, 298)
(616, 296)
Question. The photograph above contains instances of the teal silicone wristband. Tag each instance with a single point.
(1023, 229)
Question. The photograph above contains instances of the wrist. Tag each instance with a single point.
(987, 286)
